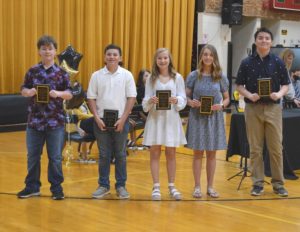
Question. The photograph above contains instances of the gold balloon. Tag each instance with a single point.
(72, 73)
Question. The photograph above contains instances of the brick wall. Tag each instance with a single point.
(255, 8)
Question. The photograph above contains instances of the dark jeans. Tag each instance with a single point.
(112, 143)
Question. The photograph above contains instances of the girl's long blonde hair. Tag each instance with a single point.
(284, 55)
(216, 70)
(155, 69)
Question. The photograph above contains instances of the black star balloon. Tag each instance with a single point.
(72, 73)
(71, 56)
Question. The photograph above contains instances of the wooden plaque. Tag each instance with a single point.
(110, 117)
(163, 99)
(206, 104)
(42, 95)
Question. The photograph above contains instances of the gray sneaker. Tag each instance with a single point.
(281, 191)
(122, 193)
(101, 192)
(257, 190)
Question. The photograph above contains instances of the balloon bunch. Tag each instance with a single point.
(69, 61)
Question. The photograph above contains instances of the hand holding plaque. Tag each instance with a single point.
(206, 104)
(163, 99)
(42, 93)
(110, 117)
(264, 87)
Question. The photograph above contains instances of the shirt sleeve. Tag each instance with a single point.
(242, 74)
(28, 84)
(149, 92)
(224, 83)
(191, 79)
(283, 73)
(130, 85)
(180, 93)
(92, 92)
(67, 82)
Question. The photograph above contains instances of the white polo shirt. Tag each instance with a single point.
(111, 90)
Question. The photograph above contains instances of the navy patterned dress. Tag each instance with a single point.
(206, 132)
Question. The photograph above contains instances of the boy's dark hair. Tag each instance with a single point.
(46, 40)
(113, 46)
(263, 29)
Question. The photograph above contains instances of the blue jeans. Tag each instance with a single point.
(35, 141)
(112, 143)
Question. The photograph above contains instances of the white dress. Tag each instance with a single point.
(164, 127)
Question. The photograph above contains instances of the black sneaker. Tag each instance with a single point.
(257, 190)
(26, 193)
(58, 196)
(281, 191)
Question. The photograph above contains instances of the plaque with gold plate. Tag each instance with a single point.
(264, 87)
(110, 117)
(42, 93)
(163, 99)
(206, 104)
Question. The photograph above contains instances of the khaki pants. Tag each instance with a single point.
(264, 121)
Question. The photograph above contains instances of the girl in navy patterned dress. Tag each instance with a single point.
(206, 132)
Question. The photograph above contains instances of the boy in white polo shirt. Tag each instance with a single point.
(111, 89)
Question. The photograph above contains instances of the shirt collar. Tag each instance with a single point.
(258, 57)
(106, 71)
(54, 66)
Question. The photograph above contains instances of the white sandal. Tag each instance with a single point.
(212, 193)
(175, 194)
(197, 193)
(156, 195)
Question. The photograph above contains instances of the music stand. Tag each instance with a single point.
(243, 172)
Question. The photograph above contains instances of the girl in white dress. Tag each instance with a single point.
(164, 127)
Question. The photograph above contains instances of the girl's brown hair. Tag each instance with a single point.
(216, 70)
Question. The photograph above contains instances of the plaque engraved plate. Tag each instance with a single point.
(42, 95)
(264, 87)
(206, 104)
(163, 99)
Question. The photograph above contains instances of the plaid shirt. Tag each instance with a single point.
(46, 116)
